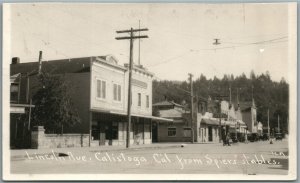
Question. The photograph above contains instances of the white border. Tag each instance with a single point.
(292, 80)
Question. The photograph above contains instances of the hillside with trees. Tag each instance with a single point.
(267, 93)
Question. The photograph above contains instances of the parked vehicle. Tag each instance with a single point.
(252, 137)
(233, 138)
(265, 137)
(278, 136)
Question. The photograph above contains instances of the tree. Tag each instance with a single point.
(53, 104)
(268, 94)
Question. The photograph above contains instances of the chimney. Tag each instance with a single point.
(15, 60)
(40, 62)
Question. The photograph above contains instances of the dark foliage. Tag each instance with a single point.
(53, 104)
(267, 93)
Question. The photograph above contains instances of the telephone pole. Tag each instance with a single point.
(131, 38)
(192, 106)
(139, 60)
(268, 122)
(278, 125)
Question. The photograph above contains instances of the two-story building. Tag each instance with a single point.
(99, 90)
(249, 116)
(20, 107)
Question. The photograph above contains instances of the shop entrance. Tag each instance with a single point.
(210, 135)
(154, 132)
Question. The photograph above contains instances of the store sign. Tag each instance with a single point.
(139, 83)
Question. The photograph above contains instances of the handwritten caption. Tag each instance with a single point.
(162, 158)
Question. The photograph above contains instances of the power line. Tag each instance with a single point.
(171, 59)
(271, 41)
(259, 42)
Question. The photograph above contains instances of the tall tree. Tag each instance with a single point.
(267, 94)
(53, 104)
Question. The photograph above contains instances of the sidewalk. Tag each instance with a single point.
(21, 154)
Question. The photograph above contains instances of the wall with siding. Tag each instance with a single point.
(163, 133)
(111, 76)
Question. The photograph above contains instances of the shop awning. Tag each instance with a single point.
(154, 118)
(210, 121)
(134, 115)
(19, 108)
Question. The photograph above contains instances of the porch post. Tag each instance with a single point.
(143, 130)
(90, 128)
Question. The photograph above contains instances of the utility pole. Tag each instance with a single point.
(268, 123)
(139, 61)
(278, 125)
(219, 98)
(192, 106)
(40, 63)
(131, 38)
(229, 95)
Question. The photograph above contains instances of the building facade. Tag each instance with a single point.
(99, 90)
(249, 116)
(209, 131)
(177, 131)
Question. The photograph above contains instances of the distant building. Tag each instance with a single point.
(249, 115)
(209, 129)
(99, 92)
(177, 131)
(20, 108)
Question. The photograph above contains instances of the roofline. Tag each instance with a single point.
(140, 70)
(102, 61)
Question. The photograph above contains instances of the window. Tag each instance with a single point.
(117, 92)
(171, 132)
(14, 92)
(139, 100)
(147, 101)
(101, 89)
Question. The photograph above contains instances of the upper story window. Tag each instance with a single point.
(117, 92)
(14, 92)
(139, 99)
(101, 89)
(147, 101)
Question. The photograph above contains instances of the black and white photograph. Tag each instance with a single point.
(149, 91)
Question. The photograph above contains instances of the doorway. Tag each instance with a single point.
(210, 135)
(154, 132)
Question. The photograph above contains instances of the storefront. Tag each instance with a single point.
(111, 129)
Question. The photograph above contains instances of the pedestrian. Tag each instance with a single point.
(224, 139)
(227, 139)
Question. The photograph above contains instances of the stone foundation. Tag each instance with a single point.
(40, 140)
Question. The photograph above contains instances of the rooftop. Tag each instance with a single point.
(74, 65)
(167, 103)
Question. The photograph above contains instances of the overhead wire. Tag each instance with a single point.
(220, 48)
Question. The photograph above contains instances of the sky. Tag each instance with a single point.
(181, 36)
